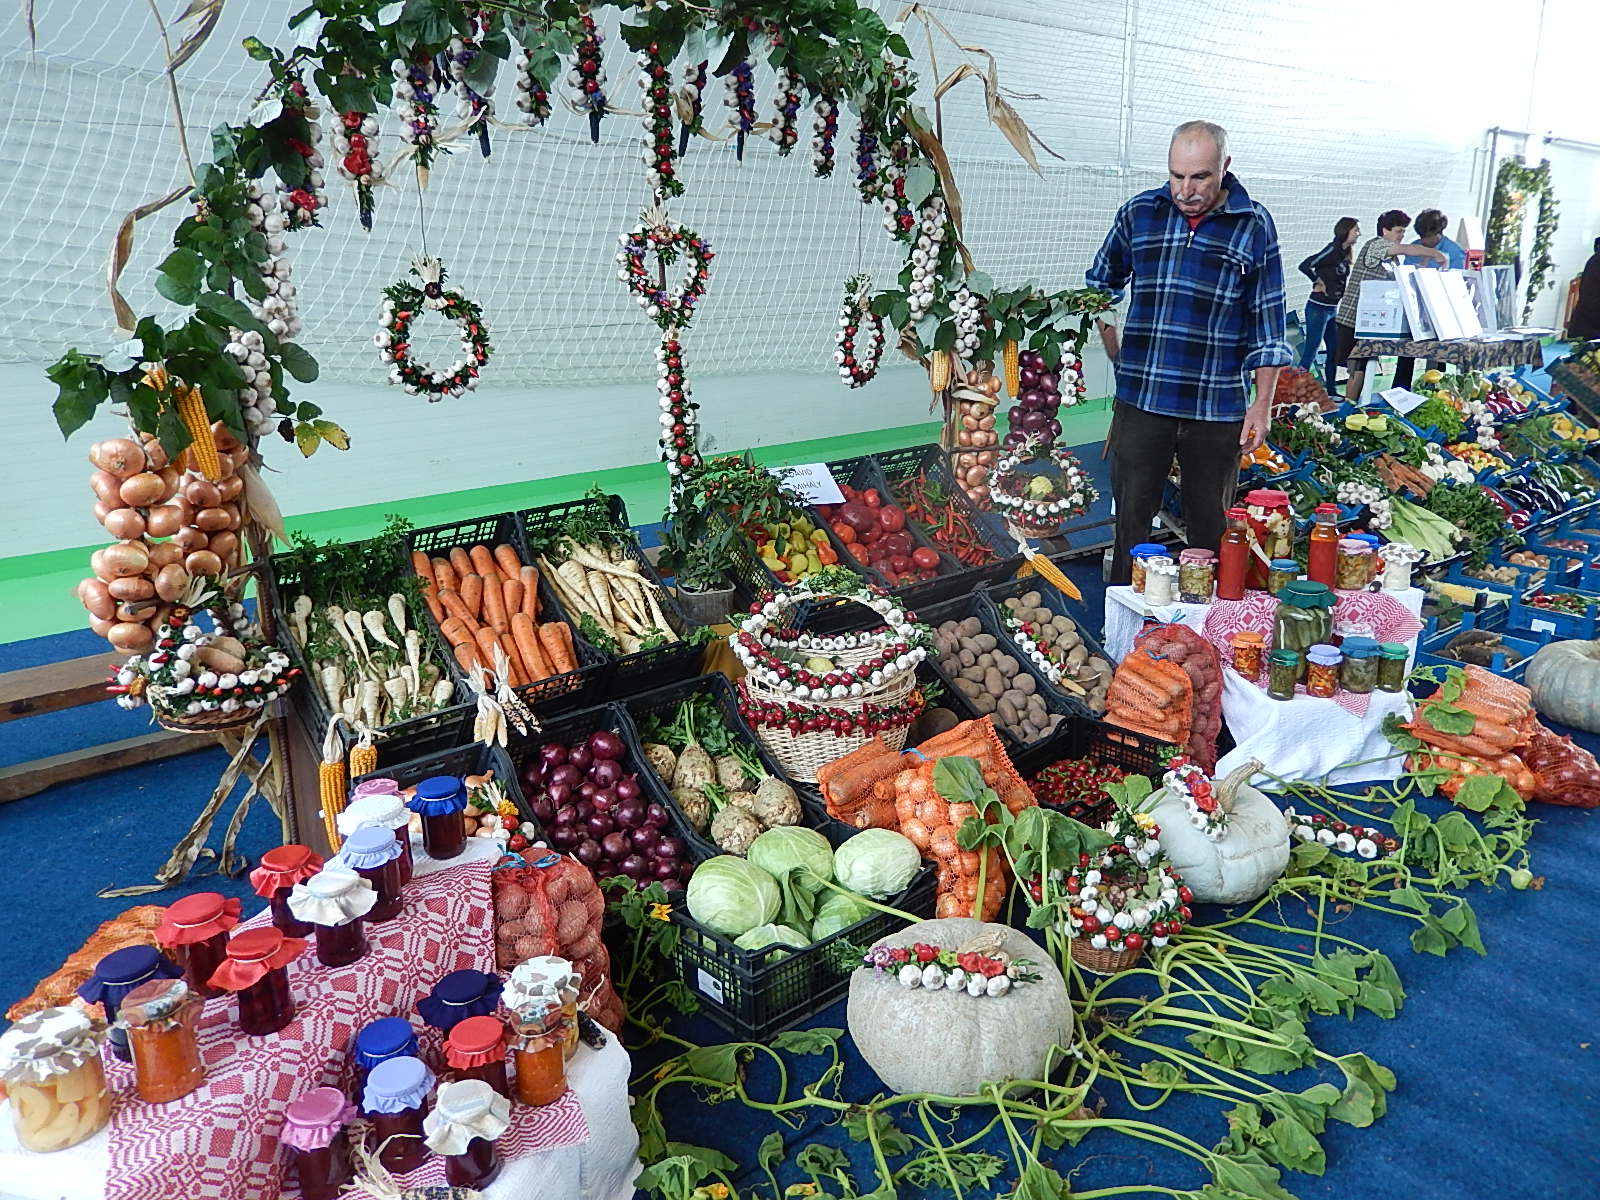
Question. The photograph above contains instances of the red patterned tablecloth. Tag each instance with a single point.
(1389, 620)
(221, 1141)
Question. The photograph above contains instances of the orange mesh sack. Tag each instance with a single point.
(1202, 666)
(859, 786)
(135, 927)
(547, 903)
(1151, 695)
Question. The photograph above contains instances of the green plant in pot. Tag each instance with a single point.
(697, 551)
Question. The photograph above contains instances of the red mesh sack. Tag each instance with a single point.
(1200, 663)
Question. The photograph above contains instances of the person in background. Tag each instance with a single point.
(1374, 260)
(1430, 232)
(1205, 313)
(1584, 322)
(1327, 269)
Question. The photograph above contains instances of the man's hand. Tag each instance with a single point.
(1108, 338)
(1254, 430)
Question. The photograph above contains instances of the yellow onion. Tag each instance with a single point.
(163, 520)
(133, 587)
(143, 489)
(203, 562)
(107, 487)
(119, 561)
(229, 487)
(224, 544)
(164, 554)
(131, 637)
(122, 457)
(202, 493)
(171, 580)
(190, 538)
(96, 597)
(209, 520)
(124, 522)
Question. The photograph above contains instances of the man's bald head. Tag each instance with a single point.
(1196, 162)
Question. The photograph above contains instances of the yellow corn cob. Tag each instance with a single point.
(363, 759)
(939, 369)
(332, 792)
(202, 448)
(1013, 359)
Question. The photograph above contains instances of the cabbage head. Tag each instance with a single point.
(763, 936)
(783, 848)
(728, 895)
(877, 862)
(837, 911)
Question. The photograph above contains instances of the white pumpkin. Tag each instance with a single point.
(1244, 862)
(1564, 679)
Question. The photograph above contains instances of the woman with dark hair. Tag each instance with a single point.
(1373, 261)
(1327, 269)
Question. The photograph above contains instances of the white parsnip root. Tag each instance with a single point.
(368, 662)
(605, 593)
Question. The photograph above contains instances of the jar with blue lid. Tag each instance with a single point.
(440, 800)
(396, 1100)
(117, 974)
(379, 1041)
(1138, 555)
(459, 995)
(1359, 671)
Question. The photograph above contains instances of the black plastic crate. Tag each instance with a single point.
(1053, 599)
(934, 461)
(755, 994)
(644, 669)
(462, 759)
(558, 693)
(752, 577)
(400, 741)
(1079, 738)
(863, 473)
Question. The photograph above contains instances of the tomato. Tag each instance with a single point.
(844, 532)
(891, 518)
(925, 557)
(871, 498)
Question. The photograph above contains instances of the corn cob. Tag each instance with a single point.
(939, 369)
(1013, 360)
(363, 759)
(332, 783)
(202, 446)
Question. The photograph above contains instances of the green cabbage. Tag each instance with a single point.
(838, 911)
(781, 849)
(728, 895)
(877, 862)
(763, 936)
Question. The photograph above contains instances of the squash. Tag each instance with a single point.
(1564, 678)
(1252, 852)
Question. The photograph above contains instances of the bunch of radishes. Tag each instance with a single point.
(170, 525)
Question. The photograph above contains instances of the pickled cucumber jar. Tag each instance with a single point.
(50, 1061)
(1392, 672)
(1304, 616)
(1359, 671)
(1283, 672)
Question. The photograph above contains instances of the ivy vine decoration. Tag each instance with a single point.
(403, 303)
(1515, 186)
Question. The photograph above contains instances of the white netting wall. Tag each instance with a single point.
(1323, 124)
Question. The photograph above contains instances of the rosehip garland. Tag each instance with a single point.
(1362, 841)
(588, 76)
(533, 94)
(414, 105)
(786, 103)
(858, 357)
(680, 428)
(741, 97)
(300, 204)
(823, 132)
(805, 718)
(691, 101)
(473, 106)
(655, 77)
(353, 142)
(653, 236)
(402, 304)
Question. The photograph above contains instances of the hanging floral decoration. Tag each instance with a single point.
(474, 107)
(302, 199)
(680, 427)
(858, 356)
(741, 97)
(786, 105)
(655, 75)
(823, 132)
(533, 95)
(414, 105)
(588, 76)
(691, 100)
(403, 303)
(354, 142)
(1039, 487)
(1515, 185)
(654, 238)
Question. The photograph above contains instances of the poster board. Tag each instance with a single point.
(1461, 302)
(1422, 329)
(1380, 312)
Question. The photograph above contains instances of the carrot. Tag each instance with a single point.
(423, 566)
(472, 593)
(456, 607)
(445, 575)
(527, 640)
(461, 561)
(494, 606)
(511, 596)
(530, 592)
(488, 643)
(455, 631)
(556, 641)
(519, 677)
(506, 558)
(465, 657)
(434, 607)
(483, 562)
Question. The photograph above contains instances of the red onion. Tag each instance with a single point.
(666, 869)
(559, 793)
(1014, 413)
(553, 755)
(605, 745)
(564, 837)
(1028, 376)
(616, 846)
(644, 840)
(629, 813)
(1033, 421)
(568, 814)
(669, 847)
(655, 816)
(1031, 399)
(598, 824)
(566, 773)
(1054, 428)
(603, 801)
(634, 866)
(588, 852)
(543, 809)
(606, 772)
(1049, 381)
(587, 789)
(532, 774)
(627, 788)
(580, 757)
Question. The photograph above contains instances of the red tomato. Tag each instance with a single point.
(871, 534)
(925, 557)
(871, 498)
(844, 533)
(891, 518)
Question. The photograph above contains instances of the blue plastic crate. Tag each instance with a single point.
(1525, 642)
(1526, 615)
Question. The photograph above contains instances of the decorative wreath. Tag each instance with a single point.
(1360, 840)
(777, 658)
(654, 236)
(402, 302)
(1188, 779)
(858, 368)
(1129, 895)
(1040, 501)
(940, 969)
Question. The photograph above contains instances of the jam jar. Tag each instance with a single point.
(160, 1017)
(257, 968)
(117, 974)
(459, 995)
(1322, 671)
(378, 1041)
(440, 801)
(281, 868)
(476, 1049)
(335, 901)
(373, 854)
(314, 1129)
(372, 804)
(467, 1119)
(194, 931)
(396, 1099)
(50, 1061)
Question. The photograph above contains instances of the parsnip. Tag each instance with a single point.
(373, 620)
(397, 613)
(443, 692)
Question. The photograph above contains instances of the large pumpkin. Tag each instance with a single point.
(1244, 862)
(1564, 678)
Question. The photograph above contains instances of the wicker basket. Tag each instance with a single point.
(1103, 962)
(206, 722)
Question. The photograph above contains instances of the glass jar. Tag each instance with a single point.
(257, 969)
(160, 1017)
(1304, 616)
(314, 1129)
(1322, 671)
(541, 1075)
(378, 1041)
(1359, 671)
(464, 1125)
(1283, 672)
(1139, 554)
(1280, 574)
(440, 801)
(50, 1061)
(371, 803)
(1373, 564)
(476, 1049)
(1160, 582)
(1197, 575)
(1352, 566)
(1272, 526)
(336, 901)
(194, 931)
(396, 1100)
(1233, 556)
(117, 974)
(1249, 653)
(541, 981)
(1398, 558)
(459, 995)
(281, 868)
(1392, 671)
(374, 854)
(1322, 551)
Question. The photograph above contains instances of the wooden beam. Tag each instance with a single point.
(54, 686)
(30, 778)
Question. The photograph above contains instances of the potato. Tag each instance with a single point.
(967, 688)
(1007, 666)
(1032, 599)
(985, 641)
(1006, 710)
(1024, 683)
(971, 627)
(983, 701)
(967, 657)
(993, 681)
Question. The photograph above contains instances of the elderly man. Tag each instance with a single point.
(1206, 312)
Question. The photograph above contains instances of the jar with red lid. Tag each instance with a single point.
(1272, 526)
(335, 901)
(371, 803)
(459, 995)
(117, 974)
(194, 931)
(257, 970)
(314, 1130)
(281, 868)
(439, 801)
(373, 854)
(476, 1049)
(396, 1101)
(464, 1125)
(160, 1017)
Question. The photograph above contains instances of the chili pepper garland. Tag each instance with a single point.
(858, 358)
(403, 302)
(533, 94)
(691, 104)
(741, 97)
(823, 132)
(786, 104)
(655, 78)
(414, 105)
(354, 141)
(588, 76)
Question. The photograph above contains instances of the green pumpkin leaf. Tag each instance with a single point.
(1448, 719)
(298, 362)
(808, 1041)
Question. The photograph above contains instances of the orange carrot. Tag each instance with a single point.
(488, 643)
(511, 595)
(424, 568)
(527, 640)
(461, 561)
(483, 562)
(432, 601)
(456, 607)
(530, 592)
(465, 657)
(494, 606)
(455, 630)
(506, 559)
(519, 677)
(556, 641)
(445, 575)
(472, 594)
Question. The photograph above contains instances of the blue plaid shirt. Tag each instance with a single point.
(1207, 304)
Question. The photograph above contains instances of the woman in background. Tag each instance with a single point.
(1328, 269)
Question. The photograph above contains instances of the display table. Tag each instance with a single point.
(1474, 353)
(592, 1143)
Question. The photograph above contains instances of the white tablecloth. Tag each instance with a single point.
(601, 1168)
